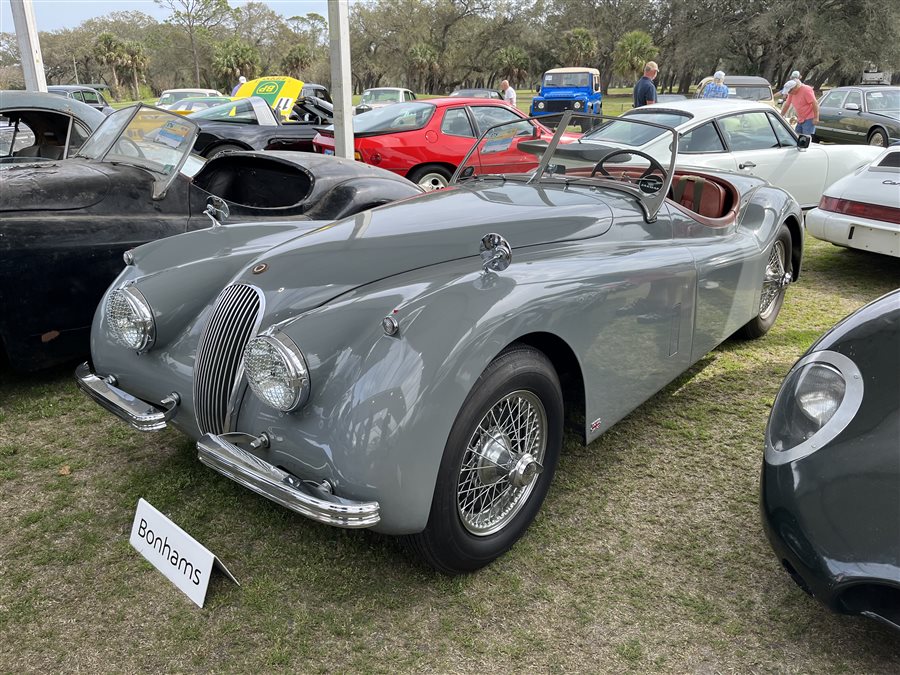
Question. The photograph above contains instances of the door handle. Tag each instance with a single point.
(746, 165)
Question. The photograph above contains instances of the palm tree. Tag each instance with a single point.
(297, 60)
(632, 52)
(579, 47)
(110, 51)
(236, 57)
(512, 64)
(135, 59)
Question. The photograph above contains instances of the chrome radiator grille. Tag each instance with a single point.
(218, 366)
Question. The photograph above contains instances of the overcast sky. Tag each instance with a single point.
(56, 14)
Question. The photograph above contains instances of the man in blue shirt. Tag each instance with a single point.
(645, 90)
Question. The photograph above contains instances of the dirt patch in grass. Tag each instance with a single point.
(647, 556)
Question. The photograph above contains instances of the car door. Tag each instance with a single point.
(854, 127)
(762, 145)
(830, 115)
(502, 155)
(704, 146)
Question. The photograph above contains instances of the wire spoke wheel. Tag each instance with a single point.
(773, 281)
(502, 462)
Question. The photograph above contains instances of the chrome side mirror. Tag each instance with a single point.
(852, 106)
(217, 210)
(496, 253)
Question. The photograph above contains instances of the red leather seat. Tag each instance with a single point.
(700, 195)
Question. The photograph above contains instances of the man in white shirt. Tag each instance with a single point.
(509, 94)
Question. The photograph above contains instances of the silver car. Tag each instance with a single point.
(409, 369)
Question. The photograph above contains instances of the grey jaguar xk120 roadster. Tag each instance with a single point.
(408, 369)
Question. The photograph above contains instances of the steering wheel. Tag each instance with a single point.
(654, 165)
(134, 146)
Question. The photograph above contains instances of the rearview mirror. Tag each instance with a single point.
(217, 210)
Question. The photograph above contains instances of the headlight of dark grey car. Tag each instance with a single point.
(130, 319)
(277, 371)
(817, 401)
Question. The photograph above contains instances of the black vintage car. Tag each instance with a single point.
(250, 124)
(65, 224)
(831, 475)
(865, 114)
(36, 125)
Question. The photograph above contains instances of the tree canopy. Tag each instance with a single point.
(434, 46)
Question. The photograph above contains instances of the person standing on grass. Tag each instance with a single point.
(509, 94)
(716, 88)
(803, 99)
(645, 90)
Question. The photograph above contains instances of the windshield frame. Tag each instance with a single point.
(650, 203)
(160, 187)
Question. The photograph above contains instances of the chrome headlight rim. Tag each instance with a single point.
(144, 315)
(540, 105)
(577, 105)
(846, 410)
(295, 362)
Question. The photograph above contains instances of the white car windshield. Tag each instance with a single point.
(619, 131)
(380, 96)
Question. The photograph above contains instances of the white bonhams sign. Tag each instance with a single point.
(175, 553)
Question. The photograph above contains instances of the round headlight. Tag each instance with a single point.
(540, 105)
(277, 372)
(817, 401)
(130, 319)
(577, 105)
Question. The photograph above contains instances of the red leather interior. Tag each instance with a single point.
(712, 202)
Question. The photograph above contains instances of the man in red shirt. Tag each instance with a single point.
(803, 99)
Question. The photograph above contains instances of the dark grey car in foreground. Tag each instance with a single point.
(409, 368)
(831, 476)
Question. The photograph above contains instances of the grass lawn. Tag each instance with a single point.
(648, 554)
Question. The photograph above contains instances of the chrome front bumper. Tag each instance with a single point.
(141, 415)
(219, 453)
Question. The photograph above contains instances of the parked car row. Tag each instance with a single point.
(369, 356)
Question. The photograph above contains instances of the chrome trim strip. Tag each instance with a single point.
(219, 453)
(141, 415)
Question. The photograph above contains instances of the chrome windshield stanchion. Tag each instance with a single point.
(140, 414)
(221, 453)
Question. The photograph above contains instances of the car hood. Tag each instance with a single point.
(62, 185)
(437, 227)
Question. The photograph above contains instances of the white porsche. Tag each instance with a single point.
(862, 210)
(742, 136)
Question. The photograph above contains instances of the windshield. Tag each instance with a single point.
(883, 101)
(380, 96)
(618, 130)
(398, 117)
(153, 139)
(525, 150)
(567, 80)
(750, 93)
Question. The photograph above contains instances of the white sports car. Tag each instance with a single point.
(863, 210)
(742, 136)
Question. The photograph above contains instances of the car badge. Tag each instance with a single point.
(259, 269)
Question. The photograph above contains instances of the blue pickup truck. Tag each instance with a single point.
(562, 89)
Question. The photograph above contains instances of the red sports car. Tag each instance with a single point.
(426, 140)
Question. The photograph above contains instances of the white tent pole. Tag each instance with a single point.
(29, 44)
(341, 86)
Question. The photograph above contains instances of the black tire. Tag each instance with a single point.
(222, 149)
(459, 536)
(778, 264)
(430, 176)
(878, 137)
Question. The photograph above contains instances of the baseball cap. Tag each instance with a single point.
(795, 74)
(790, 84)
(719, 75)
(242, 79)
